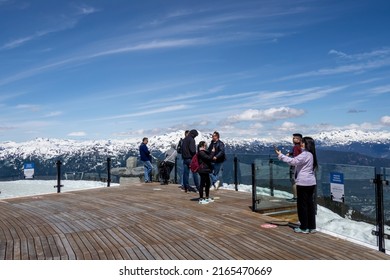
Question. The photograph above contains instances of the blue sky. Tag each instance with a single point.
(118, 69)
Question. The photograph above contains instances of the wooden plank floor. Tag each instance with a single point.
(153, 222)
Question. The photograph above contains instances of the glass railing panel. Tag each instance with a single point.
(346, 201)
(226, 174)
(282, 177)
(263, 176)
(244, 167)
(36, 178)
(386, 203)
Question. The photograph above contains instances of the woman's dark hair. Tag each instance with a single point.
(201, 144)
(311, 147)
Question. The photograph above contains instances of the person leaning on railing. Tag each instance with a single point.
(305, 166)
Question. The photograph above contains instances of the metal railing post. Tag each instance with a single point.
(108, 171)
(235, 162)
(380, 217)
(254, 200)
(175, 170)
(271, 176)
(59, 186)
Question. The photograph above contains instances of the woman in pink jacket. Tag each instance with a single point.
(306, 165)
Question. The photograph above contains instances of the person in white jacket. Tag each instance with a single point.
(306, 165)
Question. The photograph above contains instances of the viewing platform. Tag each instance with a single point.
(156, 222)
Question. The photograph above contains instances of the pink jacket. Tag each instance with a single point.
(304, 173)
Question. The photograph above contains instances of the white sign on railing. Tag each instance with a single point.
(337, 186)
(29, 170)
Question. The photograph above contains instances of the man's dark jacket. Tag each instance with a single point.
(188, 145)
(144, 153)
(219, 150)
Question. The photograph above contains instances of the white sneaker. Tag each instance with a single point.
(203, 201)
(217, 185)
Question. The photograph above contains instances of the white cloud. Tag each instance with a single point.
(289, 126)
(256, 126)
(365, 126)
(381, 90)
(351, 68)
(356, 63)
(6, 128)
(53, 114)
(77, 134)
(16, 43)
(385, 120)
(268, 115)
(380, 53)
(30, 107)
(356, 111)
(156, 44)
(65, 23)
(145, 113)
(86, 10)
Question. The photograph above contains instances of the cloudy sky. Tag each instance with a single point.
(116, 69)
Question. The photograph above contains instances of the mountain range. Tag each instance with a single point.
(344, 147)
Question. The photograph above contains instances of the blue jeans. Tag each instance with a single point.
(214, 175)
(148, 171)
(186, 175)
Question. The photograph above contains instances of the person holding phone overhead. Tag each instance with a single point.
(296, 150)
(305, 167)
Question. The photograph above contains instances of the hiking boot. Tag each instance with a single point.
(210, 199)
(312, 230)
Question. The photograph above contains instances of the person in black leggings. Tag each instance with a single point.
(205, 158)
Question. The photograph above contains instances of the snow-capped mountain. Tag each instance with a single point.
(92, 155)
(346, 137)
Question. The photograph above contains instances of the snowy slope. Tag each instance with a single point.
(51, 149)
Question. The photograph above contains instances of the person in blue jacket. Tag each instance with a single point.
(146, 158)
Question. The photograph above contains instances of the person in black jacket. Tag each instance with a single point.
(218, 159)
(205, 158)
(188, 150)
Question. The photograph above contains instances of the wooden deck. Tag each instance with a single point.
(153, 222)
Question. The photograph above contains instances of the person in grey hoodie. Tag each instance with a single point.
(306, 165)
(167, 164)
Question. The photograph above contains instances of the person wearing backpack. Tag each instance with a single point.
(180, 144)
(188, 150)
(205, 159)
(179, 149)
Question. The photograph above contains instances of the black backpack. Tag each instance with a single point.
(179, 148)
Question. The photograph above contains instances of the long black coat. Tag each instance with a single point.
(205, 158)
(188, 146)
